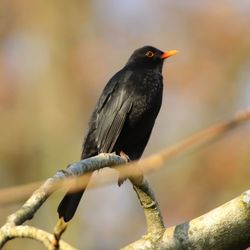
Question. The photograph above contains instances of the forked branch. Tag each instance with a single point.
(230, 221)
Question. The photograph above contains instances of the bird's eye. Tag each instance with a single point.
(150, 53)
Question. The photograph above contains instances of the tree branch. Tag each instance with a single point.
(32, 233)
(215, 225)
(226, 227)
(146, 165)
(150, 206)
(30, 207)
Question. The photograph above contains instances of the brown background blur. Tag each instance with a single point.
(55, 58)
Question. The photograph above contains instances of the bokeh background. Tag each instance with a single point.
(55, 58)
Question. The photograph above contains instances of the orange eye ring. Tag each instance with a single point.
(150, 53)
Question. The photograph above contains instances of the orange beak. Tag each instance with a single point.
(169, 53)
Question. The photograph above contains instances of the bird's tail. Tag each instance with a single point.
(69, 203)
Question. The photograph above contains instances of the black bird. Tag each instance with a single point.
(125, 114)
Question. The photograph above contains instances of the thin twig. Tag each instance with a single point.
(148, 164)
(45, 238)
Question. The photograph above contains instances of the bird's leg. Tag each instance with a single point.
(121, 178)
(136, 177)
(124, 156)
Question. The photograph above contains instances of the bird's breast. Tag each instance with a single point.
(147, 98)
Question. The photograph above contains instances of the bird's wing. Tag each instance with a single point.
(112, 111)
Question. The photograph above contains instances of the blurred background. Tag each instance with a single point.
(56, 57)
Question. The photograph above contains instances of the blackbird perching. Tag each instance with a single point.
(124, 115)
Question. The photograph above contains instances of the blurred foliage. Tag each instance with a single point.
(55, 58)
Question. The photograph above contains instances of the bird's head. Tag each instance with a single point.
(149, 57)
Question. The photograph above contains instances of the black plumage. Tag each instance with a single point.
(125, 113)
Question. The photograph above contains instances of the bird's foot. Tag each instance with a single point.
(121, 178)
(124, 156)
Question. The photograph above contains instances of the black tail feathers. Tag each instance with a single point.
(69, 204)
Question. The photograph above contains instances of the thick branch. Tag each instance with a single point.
(226, 227)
